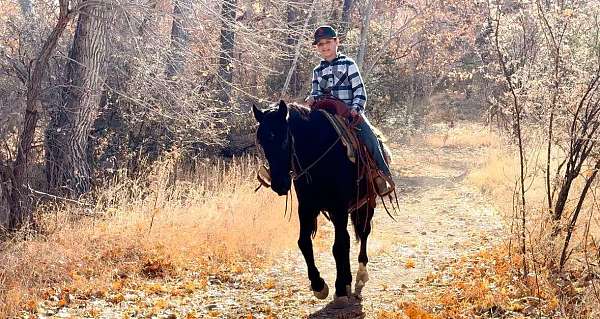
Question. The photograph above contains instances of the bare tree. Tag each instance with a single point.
(346, 14)
(227, 41)
(364, 33)
(554, 38)
(292, 73)
(517, 109)
(584, 128)
(67, 136)
(19, 204)
(182, 10)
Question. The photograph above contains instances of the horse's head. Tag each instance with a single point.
(273, 136)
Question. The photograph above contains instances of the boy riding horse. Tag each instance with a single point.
(338, 76)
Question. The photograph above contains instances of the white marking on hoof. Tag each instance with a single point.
(323, 293)
(362, 276)
(340, 302)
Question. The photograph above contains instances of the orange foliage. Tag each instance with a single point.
(413, 311)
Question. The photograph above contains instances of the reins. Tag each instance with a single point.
(296, 161)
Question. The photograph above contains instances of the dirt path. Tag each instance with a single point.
(442, 218)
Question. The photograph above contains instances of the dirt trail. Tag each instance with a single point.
(442, 218)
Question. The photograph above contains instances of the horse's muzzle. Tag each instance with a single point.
(282, 185)
(281, 192)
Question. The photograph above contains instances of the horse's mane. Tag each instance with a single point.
(296, 110)
(299, 110)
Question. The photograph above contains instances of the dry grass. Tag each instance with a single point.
(497, 177)
(211, 221)
(461, 135)
(489, 284)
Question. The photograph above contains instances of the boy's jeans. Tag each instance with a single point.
(366, 135)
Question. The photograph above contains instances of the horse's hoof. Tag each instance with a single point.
(340, 302)
(358, 289)
(362, 276)
(362, 273)
(323, 293)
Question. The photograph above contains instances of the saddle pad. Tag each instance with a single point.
(348, 138)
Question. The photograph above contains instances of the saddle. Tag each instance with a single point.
(338, 114)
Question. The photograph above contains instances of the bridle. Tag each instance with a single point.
(296, 171)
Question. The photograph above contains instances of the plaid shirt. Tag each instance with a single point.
(341, 79)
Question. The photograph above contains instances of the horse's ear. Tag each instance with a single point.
(283, 109)
(258, 114)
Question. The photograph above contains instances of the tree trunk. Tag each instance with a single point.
(182, 10)
(68, 164)
(345, 23)
(364, 34)
(292, 80)
(19, 204)
(26, 7)
(227, 45)
(571, 228)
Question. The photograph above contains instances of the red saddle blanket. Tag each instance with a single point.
(332, 105)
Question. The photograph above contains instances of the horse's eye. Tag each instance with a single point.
(271, 136)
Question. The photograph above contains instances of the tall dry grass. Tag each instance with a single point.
(572, 293)
(461, 135)
(498, 179)
(152, 226)
(489, 283)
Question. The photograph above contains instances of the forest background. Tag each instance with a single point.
(109, 104)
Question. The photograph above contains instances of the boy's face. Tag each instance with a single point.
(327, 48)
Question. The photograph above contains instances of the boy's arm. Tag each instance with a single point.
(358, 88)
(314, 92)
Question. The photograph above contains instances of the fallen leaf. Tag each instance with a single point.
(116, 298)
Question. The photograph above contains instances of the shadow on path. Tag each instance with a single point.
(353, 311)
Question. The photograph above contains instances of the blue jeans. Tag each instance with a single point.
(366, 135)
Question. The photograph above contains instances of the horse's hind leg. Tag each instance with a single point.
(307, 227)
(362, 226)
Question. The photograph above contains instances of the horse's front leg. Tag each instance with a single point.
(307, 227)
(341, 253)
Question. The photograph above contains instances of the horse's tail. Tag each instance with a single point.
(354, 217)
(360, 217)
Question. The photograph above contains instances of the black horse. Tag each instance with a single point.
(301, 145)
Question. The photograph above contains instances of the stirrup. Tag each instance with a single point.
(384, 185)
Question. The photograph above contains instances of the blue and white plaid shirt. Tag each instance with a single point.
(341, 79)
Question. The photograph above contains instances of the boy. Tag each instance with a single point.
(338, 75)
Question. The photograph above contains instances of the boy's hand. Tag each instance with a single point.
(353, 113)
(309, 100)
